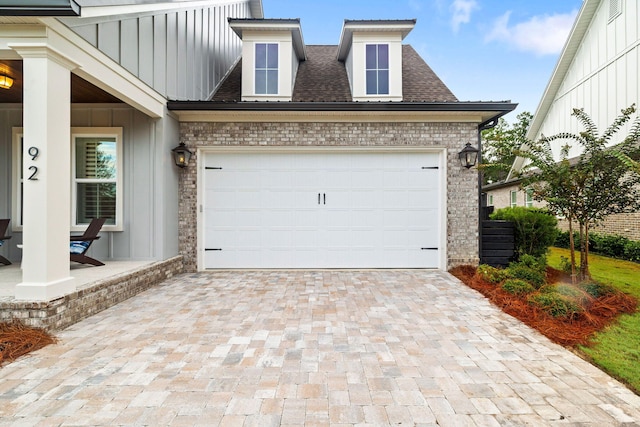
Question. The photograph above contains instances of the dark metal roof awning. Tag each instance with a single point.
(39, 8)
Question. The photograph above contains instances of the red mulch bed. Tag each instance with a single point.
(17, 339)
(568, 332)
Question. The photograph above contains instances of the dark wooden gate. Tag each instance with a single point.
(498, 243)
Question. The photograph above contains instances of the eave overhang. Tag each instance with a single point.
(39, 8)
(239, 25)
(480, 113)
(403, 26)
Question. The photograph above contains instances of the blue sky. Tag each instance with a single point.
(484, 50)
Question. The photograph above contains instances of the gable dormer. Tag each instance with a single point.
(272, 49)
(372, 54)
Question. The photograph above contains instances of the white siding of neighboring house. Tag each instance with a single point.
(603, 77)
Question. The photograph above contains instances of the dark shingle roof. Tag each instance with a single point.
(419, 82)
(322, 78)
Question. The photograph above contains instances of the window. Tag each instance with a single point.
(377, 69)
(266, 69)
(96, 177)
(528, 198)
(514, 199)
(490, 200)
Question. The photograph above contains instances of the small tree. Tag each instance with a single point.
(601, 182)
(499, 145)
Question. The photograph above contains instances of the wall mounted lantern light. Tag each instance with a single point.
(5, 81)
(468, 156)
(181, 155)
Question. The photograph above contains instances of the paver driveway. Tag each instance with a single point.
(308, 348)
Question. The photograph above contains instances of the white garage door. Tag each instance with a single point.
(322, 210)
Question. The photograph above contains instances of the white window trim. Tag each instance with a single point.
(17, 134)
(528, 198)
(513, 203)
(255, 68)
(378, 95)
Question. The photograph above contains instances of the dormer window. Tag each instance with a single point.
(272, 50)
(377, 69)
(266, 82)
(372, 55)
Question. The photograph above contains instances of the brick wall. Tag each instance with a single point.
(625, 225)
(462, 190)
(63, 312)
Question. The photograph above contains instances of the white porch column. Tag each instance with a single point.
(46, 172)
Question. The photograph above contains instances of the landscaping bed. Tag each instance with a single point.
(576, 326)
(17, 340)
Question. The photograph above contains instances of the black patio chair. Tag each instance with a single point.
(4, 225)
(80, 244)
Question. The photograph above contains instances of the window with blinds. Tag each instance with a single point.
(95, 179)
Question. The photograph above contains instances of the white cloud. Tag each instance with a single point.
(462, 12)
(542, 35)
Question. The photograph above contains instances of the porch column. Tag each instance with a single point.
(46, 172)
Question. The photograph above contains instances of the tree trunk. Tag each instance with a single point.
(572, 250)
(585, 274)
(582, 253)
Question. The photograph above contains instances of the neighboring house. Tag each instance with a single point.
(599, 71)
(509, 194)
(304, 156)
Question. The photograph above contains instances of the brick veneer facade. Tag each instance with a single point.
(462, 190)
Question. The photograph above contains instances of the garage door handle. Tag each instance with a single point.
(318, 198)
(324, 198)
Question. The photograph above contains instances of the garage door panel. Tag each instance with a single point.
(376, 209)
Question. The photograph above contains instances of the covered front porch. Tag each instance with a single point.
(96, 290)
(64, 87)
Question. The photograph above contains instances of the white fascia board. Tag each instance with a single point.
(580, 27)
(350, 27)
(155, 8)
(290, 26)
(100, 70)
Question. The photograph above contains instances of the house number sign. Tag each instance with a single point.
(33, 153)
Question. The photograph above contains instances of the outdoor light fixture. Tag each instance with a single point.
(5, 81)
(181, 155)
(468, 156)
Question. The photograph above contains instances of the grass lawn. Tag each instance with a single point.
(615, 349)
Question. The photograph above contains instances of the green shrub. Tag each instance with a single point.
(491, 274)
(596, 289)
(529, 268)
(565, 264)
(632, 251)
(555, 304)
(535, 229)
(609, 245)
(517, 287)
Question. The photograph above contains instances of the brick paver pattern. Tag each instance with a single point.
(311, 348)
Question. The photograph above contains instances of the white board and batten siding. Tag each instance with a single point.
(182, 54)
(322, 209)
(603, 77)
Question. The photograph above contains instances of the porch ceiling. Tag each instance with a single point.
(81, 90)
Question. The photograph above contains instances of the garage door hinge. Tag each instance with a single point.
(211, 167)
(428, 249)
(430, 167)
(213, 249)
